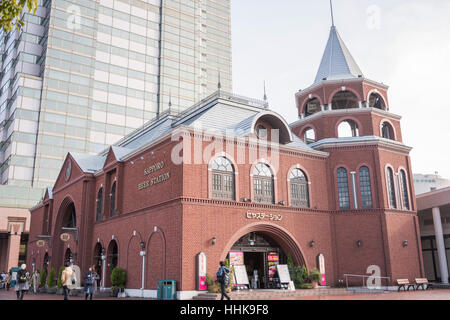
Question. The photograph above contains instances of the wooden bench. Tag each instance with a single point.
(421, 282)
(404, 283)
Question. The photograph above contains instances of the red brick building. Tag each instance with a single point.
(228, 174)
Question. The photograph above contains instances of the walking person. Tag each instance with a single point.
(23, 282)
(223, 276)
(3, 280)
(35, 281)
(67, 279)
(89, 284)
(8, 281)
(96, 278)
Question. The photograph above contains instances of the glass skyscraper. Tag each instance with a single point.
(82, 74)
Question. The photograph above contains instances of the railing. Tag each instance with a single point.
(364, 284)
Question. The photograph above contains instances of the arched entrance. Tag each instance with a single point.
(260, 254)
(97, 262)
(65, 235)
(261, 247)
(46, 262)
(68, 257)
(112, 260)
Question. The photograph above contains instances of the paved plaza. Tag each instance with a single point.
(333, 294)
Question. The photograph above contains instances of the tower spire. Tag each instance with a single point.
(332, 14)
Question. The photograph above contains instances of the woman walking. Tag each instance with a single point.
(89, 280)
(67, 279)
(23, 284)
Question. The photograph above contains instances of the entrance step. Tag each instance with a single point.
(207, 296)
(266, 294)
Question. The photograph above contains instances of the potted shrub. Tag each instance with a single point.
(229, 287)
(213, 286)
(118, 280)
(315, 276)
(43, 280)
(59, 282)
(51, 283)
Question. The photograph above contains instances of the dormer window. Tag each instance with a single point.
(261, 132)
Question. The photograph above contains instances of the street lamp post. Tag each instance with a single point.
(142, 253)
(103, 257)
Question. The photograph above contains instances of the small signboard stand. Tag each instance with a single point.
(241, 278)
(283, 274)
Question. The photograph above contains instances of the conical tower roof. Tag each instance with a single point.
(337, 62)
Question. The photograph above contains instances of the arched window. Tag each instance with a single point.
(222, 179)
(309, 136)
(342, 183)
(263, 184)
(391, 188)
(299, 189)
(404, 186)
(112, 206)
(70, 218)
(312, 106)
(376, 101)
(99, 216)
(348, 128)
(366, 189)
(344, 100)
(387, 131)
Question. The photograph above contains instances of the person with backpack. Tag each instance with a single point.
(223, 277)
(23, 278)
(68, 279)
(89, 280)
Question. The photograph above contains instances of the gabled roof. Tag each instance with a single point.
(337, 62)
(89, 163)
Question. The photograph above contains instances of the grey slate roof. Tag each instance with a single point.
(89, 163)
(337, 62)
(218, 115)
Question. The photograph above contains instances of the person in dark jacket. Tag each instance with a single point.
(89, 279)
(23, 282)
(224, 279)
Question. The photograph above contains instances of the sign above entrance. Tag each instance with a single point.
(264, 216)
(64, 237)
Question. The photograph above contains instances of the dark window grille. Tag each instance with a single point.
(263, 184)
(99, 216)
(391, 189)
(366, 189)
(299, 189)
(342, 182)
(404, 190)
(223, 179)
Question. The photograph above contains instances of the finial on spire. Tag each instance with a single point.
(170, 100)
(332, 14)
(265, 95)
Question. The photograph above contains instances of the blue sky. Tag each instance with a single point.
(402, 43)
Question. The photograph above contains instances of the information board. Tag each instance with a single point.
(283, 273)
(240, 275)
